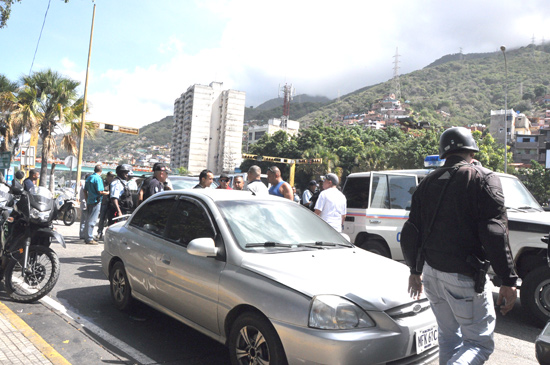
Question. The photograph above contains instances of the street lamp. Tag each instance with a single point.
(503, 49)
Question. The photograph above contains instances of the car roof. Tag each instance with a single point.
(222, 195)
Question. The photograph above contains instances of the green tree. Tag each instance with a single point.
(491, 153)
(10, 114)
(50, 101)
(537, 180)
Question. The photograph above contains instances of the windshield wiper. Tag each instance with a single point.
(319, 244)
(529, 208)
(269, 244)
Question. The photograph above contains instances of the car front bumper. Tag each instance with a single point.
(389, 342)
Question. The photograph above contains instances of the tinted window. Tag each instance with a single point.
(392, 191)
(190, 221)
(401, 190)
(154, 216)
(356, 191)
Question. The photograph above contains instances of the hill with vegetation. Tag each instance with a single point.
(467, 87)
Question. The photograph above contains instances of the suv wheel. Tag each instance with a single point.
(535, 293)
(376, 246)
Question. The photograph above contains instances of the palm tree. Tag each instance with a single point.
(49, 101)
(10, 114)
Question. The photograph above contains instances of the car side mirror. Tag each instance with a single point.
(204, 247)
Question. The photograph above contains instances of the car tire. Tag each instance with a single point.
(376, 246)
(121, 293)
(535, 293)
(253, 340)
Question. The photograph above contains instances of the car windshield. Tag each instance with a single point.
(516, 195)
(271, 225)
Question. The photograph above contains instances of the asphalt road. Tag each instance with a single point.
(80, 322)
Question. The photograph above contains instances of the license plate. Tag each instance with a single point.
(425, 338)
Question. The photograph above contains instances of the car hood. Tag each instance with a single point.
(369, 280)
(529, 217)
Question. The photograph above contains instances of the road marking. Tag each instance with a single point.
(123, 346)
(48, 351)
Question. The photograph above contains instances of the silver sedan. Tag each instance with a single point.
(269, 279)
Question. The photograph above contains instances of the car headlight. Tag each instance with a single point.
(334, 312)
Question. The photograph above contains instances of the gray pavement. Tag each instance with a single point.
(20, 344)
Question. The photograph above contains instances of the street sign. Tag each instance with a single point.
(71, 162)
(5, 158)
(116, 128)
(28, 156)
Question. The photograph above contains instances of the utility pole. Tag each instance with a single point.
(83, 120)
(503, 49)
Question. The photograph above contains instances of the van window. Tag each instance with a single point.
(356, 191)
(392, 191)
(401, 190)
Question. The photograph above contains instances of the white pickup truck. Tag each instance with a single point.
(378, 204)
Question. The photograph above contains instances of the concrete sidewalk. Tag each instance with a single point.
(20, 344)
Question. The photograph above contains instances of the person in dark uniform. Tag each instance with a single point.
(119, 193)
(457, 223)
(158, 182)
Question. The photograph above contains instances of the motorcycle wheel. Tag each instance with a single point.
(70, 216)
(43, 272)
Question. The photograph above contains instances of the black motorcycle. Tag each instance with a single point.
(65, 206)
(29, 266)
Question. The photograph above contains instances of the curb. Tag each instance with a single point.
(46, 349)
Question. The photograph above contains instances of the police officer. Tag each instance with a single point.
(457, 220)
(119, 192)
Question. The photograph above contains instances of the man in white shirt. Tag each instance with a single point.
(255, 184)
(331, 205)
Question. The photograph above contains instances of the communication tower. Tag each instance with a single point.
(288, 94)
(396, 83)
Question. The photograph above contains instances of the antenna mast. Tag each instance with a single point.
(396, 83)
(288, 94)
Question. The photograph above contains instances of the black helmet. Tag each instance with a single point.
(456, 139)
(121, 169)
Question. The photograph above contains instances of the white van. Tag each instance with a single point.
(378, 204)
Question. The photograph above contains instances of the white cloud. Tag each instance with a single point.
(321, 47)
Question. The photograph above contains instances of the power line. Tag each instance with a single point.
(40, 36)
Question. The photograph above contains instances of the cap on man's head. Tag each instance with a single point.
(160, 167)
(333, 178)
(223, 175)
(19, 174)
(313, 182)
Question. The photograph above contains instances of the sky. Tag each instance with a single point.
(145, 54)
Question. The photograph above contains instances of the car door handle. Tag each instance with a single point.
(376, 221)
(165, 259)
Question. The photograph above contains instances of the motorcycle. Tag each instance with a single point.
(29, 266)
(65, 203)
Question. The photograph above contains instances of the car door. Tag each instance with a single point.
(141, 242)
(389, 206)
(188, 284)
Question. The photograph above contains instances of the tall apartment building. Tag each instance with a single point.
(208, 128)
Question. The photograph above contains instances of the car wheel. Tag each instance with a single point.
(376, 246)
(253, 340)
(121, 293)
(535, 293)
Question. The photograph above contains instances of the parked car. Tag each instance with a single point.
(268, 278)
(378, 204)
